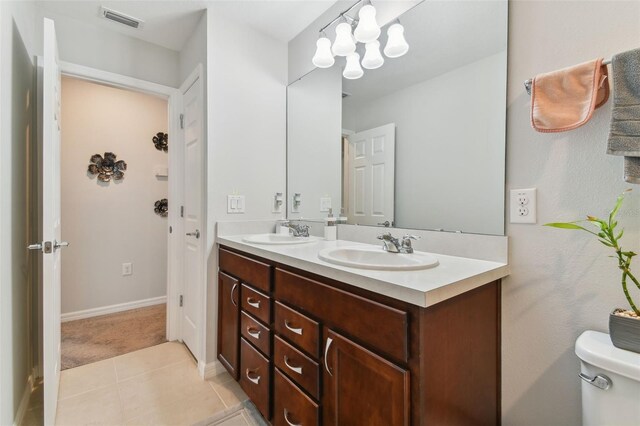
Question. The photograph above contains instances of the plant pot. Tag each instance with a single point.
(624, 331)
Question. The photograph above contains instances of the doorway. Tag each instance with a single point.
(114, 212)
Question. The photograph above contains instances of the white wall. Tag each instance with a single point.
(562, 283)
(314, 147)
(247, 77)
(108, 224)
(17, 173)
(449, 126)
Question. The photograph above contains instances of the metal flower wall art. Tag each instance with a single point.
(107, 168)
(161, 207)
(161, 141)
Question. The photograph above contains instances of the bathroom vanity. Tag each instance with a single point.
(315, 344)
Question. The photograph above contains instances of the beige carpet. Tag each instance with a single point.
(94, 339)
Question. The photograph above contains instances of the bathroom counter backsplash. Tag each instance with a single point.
(453, 276)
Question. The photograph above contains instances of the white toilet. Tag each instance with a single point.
(610, 382)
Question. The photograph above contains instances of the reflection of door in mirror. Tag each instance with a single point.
(369, 172)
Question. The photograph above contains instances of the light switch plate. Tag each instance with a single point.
(235, 204)
(127, 269)
(325, 204)
(522, 205)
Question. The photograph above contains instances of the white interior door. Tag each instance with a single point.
(51, 244)
(193, 217)
(371, 176)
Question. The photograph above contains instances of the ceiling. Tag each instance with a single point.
(170, 23)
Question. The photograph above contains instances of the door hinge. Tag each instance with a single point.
(182, 121)
(181, 300)
(181, 211)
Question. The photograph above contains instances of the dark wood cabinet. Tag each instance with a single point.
(228, 323)
(361, 387)
(310, 350)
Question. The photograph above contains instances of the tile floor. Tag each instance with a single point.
(159, 385)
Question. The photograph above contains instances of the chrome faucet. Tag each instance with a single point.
(393, 245)
(297, 230)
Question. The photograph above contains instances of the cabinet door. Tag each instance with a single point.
(361, 387)
(228, 323)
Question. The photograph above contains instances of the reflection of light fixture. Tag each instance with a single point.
(396, 44)
(368, 29)
(343, 44)
(353, 70)
(372, 58)
(367, 32)
(323, 57)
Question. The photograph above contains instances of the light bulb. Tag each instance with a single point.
(372, 58)
(353, 70)
(323, 57)
(367, 29)
(343, 44)
(396, 44)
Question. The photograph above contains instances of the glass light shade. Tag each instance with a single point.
(372, 58)
(396, 44)
(323, 57)
(367, 29)
(343, 44)
(353, 70)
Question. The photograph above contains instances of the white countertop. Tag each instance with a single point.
(453, 276)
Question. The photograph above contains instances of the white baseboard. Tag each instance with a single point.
(24, 402)
(210, 370)
(104, 310)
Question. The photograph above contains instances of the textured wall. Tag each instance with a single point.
(110, 224)
(562, 283)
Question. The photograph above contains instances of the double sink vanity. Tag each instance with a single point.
(392, 339)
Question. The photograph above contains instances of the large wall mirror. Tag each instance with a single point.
(418, 143)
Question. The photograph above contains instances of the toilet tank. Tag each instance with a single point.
(610, 380)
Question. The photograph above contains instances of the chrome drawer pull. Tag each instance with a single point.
(253, 302)
(232, 290)
(326, 354)
(286, 419)
(293, 329)
(256, 380)
(291, 367)
(253, 332)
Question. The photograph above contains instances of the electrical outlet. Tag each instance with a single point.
(127, 269)
(522, 205)
(325, 204)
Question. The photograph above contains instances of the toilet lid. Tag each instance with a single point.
(596, 349)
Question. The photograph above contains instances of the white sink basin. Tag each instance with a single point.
(378, 259)
(278, 239)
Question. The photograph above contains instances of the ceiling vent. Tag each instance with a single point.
(121, 18)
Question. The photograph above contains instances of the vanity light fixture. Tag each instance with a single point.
(323, 57)
(368, 29)
(366, 32)
(353, 70)
(396, 43)
(372, 58)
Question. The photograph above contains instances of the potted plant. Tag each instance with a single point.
(624, 324)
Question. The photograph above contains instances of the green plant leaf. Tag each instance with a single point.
(620, 235)
(566, 225)
(606, 243)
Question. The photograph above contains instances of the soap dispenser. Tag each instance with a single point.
(330, 228)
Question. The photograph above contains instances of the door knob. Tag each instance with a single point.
(57, 245)
(37, 246)
(194, 234)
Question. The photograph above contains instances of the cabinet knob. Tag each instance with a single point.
(298, 331)
(253, 332)
(291, 367)
(253, 302)
(235, 285)
(326, 354)
(248, 373)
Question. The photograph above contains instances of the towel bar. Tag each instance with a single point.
(528, 83)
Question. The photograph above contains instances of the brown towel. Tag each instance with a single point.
(565, 99)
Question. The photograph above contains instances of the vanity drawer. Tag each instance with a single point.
(256, 303)
(291, 406)
(251, 271)
(299, 367)
(298, 329)
(256, 333)
(380, 326)
(254, 377)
